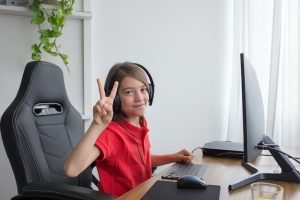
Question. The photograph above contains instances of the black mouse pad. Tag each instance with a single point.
(166, 190)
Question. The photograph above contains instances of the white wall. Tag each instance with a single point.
(186, 45)
(16, 37)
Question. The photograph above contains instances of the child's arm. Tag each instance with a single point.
(181, 156)
(85, 152)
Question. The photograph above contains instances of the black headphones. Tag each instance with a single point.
(110, 80)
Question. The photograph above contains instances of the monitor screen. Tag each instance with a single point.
(253, 110)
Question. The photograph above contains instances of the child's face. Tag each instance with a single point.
(134, 97)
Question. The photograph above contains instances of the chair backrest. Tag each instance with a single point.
(40, 128)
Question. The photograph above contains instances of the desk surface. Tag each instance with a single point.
(226, 171)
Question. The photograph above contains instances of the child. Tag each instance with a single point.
(118, 136)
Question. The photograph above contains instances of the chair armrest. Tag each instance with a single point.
(60, 191)
(95, 180)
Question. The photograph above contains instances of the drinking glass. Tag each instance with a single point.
(266, 191)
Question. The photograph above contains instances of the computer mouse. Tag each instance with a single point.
(191, 182)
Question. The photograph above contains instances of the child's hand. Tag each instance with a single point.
(185, 156)
(103, 109)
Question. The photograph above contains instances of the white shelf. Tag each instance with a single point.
(24, 11)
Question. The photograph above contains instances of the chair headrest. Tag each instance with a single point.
(42, 82)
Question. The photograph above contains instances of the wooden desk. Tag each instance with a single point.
(226, 171)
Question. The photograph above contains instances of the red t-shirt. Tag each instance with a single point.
(125, 157)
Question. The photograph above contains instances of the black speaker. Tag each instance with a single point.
(110, 82)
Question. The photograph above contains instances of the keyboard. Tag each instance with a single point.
(178, 169)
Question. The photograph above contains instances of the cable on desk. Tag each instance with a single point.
(196, 149)
(268, 148)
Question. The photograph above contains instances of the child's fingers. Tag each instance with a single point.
(101, 89)
(114, 90)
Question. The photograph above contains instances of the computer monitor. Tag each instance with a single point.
(253, 111)
(254, 132)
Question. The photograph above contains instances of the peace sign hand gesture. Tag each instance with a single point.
(103, 109)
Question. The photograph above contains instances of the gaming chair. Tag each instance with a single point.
(39, 130)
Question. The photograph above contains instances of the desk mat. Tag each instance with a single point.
(166, 190)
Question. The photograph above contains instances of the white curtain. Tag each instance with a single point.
(267, 31)
(283, 105)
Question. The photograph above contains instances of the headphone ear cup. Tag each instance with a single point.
(106, 90)
(117, 104)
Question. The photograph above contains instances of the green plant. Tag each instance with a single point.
(53, 20)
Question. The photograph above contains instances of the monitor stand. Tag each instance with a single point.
(288, 172)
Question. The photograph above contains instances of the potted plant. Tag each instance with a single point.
(50, 22)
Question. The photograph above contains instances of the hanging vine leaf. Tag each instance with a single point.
(55, 23)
